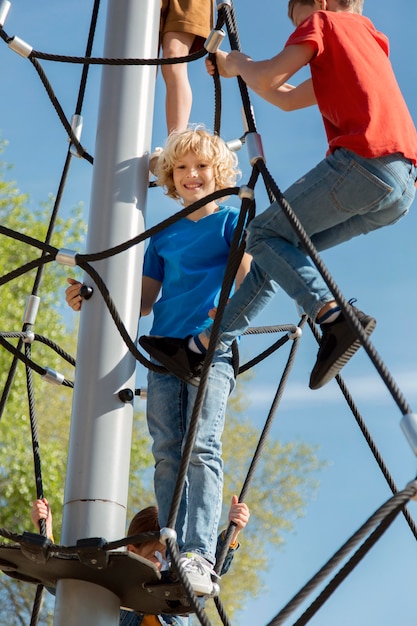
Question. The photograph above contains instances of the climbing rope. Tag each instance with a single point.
(382, 518)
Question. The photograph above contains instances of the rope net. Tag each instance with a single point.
(97, 553)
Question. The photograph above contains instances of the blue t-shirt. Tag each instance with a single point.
(189, 259)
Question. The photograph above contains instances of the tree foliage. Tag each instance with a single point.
(282, 483)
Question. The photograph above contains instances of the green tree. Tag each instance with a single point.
(52, 403)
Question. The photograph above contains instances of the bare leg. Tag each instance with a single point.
(178, 90)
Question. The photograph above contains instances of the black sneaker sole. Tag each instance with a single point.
(169, 361)
(333, 371)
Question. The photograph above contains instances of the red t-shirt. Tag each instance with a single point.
(356, 90)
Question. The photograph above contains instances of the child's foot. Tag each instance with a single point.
(199, 573)
(176, 356)
(338, 344)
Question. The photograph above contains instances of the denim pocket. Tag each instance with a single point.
(359, 191)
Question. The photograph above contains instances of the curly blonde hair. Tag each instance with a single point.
(205, 145)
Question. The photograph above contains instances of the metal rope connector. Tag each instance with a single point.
(4, 10)
(53, 377)
(29, 336)
(224, 3)
(234, 144)
(255, 149)
(31, 310)
(295, 334)
(76, 127)
(246, 192)
(21, 47)
(214, 40)
(409, 427)
(66, 257)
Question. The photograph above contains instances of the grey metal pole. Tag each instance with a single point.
(101, 425)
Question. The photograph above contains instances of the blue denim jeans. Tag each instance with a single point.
(169, 408)
(345, 195)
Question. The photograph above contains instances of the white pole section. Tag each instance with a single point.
(101, 425)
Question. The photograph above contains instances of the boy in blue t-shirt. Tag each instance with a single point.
(184, 265)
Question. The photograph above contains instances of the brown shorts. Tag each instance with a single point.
(187, 16)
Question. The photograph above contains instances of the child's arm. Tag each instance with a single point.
(41, 510)
(290, 98)
(268, 78)
(150, 291)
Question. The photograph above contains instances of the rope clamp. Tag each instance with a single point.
(4, 9)
(255, 148)
(29, 336)
(409, 427)
(214, 40)
(31, 310)
(76, 127)
(66, 257)
(295, 334)
(246, 192)
(167, 533)
(21, 47)
(53, 377)
(224, 3)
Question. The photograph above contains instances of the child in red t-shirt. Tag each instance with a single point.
(366, 181)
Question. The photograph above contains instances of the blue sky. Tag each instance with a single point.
(378, 270)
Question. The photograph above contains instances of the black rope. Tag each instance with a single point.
(403, 405)
(347, 569)
(36, 54)
(368, 438)
(262, 441)
(37, 604)
(393, 505)
(22, 357)
(235, 45)
(45, 340)
(55, 103)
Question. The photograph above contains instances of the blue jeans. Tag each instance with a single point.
(345, 195)
(169, 408)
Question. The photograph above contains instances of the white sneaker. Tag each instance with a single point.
(199, 573)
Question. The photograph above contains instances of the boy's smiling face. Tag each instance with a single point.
(193, 178)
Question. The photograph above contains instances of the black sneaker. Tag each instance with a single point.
(176, 356)
(338, 344)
